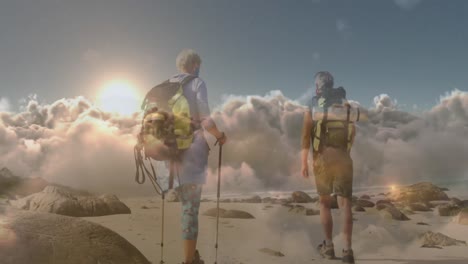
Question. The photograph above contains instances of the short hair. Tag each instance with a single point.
(324, 80)
(186, 59)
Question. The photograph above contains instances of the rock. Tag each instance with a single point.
(365, 197)
(419, 207)
(13, 186)
(254, 199)
(213, 212)
(437, 239)
(301, 197)
(382, 194)
(42, 238)
(66, 201)
(301, 210)
(420, 192)
(456, 201)
(228, 213)
(271, 252)
(434, 204)
(448, 210)
(422, 223)
(237, 214)
(382, 206)
(462, 217)
(358, 208)
(464, 204)
(364, 203)
(225, 200)
(391, 212)
(267, 200)
(172, 196)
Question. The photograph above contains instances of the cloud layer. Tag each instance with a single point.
(72, 142)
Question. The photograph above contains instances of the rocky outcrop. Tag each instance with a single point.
(65, 201)
(42, 238)
(421, 192)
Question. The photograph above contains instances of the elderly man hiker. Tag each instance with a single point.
(331, 139)
(176, 116)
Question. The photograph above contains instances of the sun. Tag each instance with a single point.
(120, 97)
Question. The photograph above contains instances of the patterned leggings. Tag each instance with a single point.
(190, 196)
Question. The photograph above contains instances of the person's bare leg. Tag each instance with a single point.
(190, 247)
(345, 207)
(326, 216)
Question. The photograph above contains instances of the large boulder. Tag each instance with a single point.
(420, 192)
(42, 238)
(462, 217)
(431, 239)
(301, 197)
(65, 201)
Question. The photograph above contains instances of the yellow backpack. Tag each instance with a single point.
(333, 126)
(167, 126)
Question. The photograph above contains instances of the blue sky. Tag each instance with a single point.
(413, 50)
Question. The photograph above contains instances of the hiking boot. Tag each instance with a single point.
(197, 259)
(327, 251)
(348, 256)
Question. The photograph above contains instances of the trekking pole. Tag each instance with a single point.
(217, 200)
(162, 229)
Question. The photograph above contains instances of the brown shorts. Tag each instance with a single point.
(333, 170)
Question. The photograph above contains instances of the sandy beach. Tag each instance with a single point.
(376, 239)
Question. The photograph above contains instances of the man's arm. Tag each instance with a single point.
(305, 142)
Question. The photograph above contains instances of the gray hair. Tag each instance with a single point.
(186, 59)
(323, 80)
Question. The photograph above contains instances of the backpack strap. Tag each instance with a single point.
(181, 89)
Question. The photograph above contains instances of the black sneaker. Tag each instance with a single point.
(327, 251)
(348, 256)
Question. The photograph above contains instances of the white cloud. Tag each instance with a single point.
(407, 4)
(72, 142)
(4, 104)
